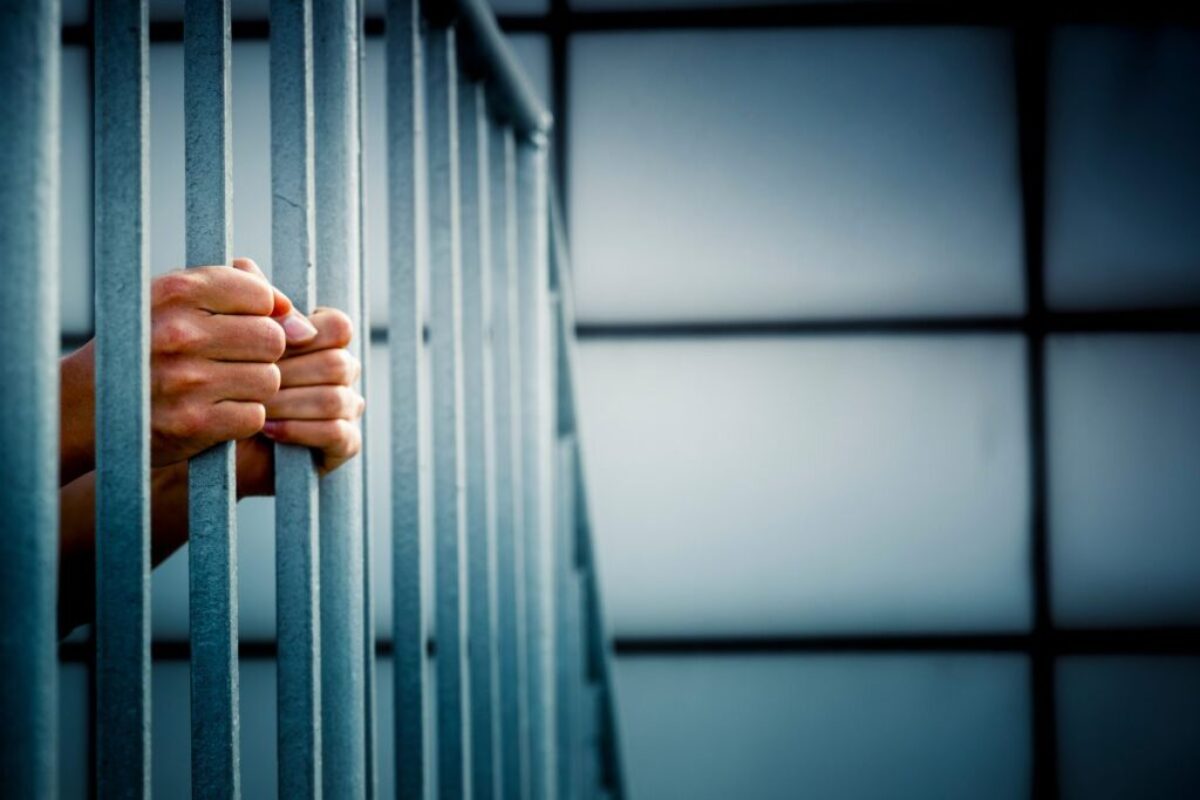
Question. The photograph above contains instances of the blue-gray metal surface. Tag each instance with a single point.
(122, 382)
(293, 247)
(568, 663)
(599, 715)
(477, 408)
(445, 342)
(510, 615)
(212, 559)
(364, 336)
(29, 70)
(485, 55)
(533, 282)
(343, 691)
(405, 129)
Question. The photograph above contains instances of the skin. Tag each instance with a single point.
(230, 360)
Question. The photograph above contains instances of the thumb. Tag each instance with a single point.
(296, 326)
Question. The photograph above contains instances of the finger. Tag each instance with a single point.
(232, 337)
(257, 383)
(316, 402)
(233, 419)
(334, 367)
(337, 439)
(225, 290)
(283, 305)
(334, 329)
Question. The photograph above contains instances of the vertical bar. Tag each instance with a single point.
(364, 336)
(537, 424)
(506, 397)
(29, 76)
(343, 692)
(406, 215)
(122, 384)
(567, 667)
(476, 313)
(296, 509)
(446, 354)
(212, 560)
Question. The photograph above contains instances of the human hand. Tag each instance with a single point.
(216, 333)
(317, 405)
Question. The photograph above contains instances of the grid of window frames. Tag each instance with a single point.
(939, 265)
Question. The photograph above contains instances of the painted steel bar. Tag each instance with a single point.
(445, 342)
(336, 105)
(296, 510)
(568, 663)
(486, 55)
(536, 445)
(122, 384)
(406, 216)
(477, 431)
(29, 261)
(370, 734)
(510, 614)
(212, 556)
(595, 647)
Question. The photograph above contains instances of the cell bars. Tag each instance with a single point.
(501, 658)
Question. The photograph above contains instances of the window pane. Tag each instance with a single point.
(825, 726)
(1123, 174)
(75, 203)
(1124, 467)
(801, 172)
(784, 485)
(1129, 727)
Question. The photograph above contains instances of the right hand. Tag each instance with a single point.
(216, 333)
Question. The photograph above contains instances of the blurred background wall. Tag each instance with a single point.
(890, 386)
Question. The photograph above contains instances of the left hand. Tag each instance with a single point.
(317, 406)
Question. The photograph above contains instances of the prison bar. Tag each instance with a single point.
(336, 26)
(475, 214)
(524, 694)
(406, 262)
(297, 547)
(122, 394)
(29, 75)
(212, 526)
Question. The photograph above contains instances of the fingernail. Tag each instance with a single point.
(270, 427)
(297, 328)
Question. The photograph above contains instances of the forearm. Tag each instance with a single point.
(77, 541)
(77, 410)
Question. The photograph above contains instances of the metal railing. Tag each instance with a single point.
(524, 702)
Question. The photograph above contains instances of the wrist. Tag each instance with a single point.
(77, 410)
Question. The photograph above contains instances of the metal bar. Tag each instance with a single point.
(296, 510)
(568, 663)
(486, 55)
(122, 384)
(510, 616)
(445, 341)
(536, 427)
(476, 314)
(406, 216)
(29, 261)
(212, 558)
(343, 691)
(364, 336)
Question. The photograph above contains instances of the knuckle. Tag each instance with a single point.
(333, 401)
(249, 421)
(274, 340)
(339, 327)
(184, 421)
(180, 378)
(273, 379)
(175, 335)
(174, 287)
